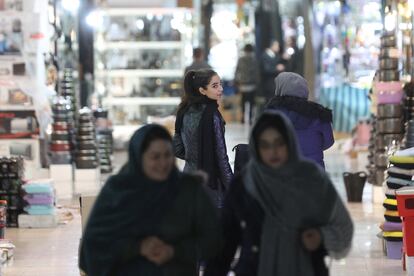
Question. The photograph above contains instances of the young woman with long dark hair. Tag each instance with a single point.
(199, 131)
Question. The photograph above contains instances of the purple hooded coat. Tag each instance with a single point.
(312, 121)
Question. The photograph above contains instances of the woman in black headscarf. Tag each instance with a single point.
(149, 219)
(282, 210)
(199, 131)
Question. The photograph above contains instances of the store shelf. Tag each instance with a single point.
(9, 107)
(150, 73)
(128, 45)
(141, 101)
(140, 11)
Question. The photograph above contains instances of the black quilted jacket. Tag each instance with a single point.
(186, 147)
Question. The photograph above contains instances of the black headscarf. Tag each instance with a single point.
(295, 196)
(206, 154)
(129, 208)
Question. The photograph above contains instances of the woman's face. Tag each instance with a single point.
(158, 160)
(214, 90)
(272, 148)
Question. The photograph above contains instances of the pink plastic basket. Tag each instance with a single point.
(389, 97)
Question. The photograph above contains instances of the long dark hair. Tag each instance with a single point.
(193, 81)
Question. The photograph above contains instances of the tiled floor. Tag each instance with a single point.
(53, 252)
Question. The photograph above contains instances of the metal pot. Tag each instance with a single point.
(381, 160)
(87, 145)
(60, 146)
(379, 177)
(85, 137)
(389, 75)
(87, 152)
(61, 126)
(388, 63)
(63, 157)
(389, 53)
(383, 141)
(389, 111)
(60, 135)
(393, 125)
(86, 131)
(86, 162)
(388, 41)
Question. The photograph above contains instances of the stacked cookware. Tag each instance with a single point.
(388, 61)
(371, 149)
(62, 138)
(67, 89)
(408, 141)
(11, 180)
(104, 139)
(86, 154)
(388, 119)
(388, 128)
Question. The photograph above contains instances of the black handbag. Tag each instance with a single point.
(241, 157)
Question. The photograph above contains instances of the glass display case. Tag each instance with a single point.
(140, 56)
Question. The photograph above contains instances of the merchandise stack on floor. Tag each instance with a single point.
(400, 175)
(11, 175)
(40, 205)
(104, 139)
(87, 172)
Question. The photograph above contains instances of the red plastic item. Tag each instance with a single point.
(405, 204)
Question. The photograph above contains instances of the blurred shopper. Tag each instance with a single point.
(293, 56)
(247, 79)
(312, 121)
(199, 131)
(272, 64)
(149, 219)
(198, 61)
(282, 211)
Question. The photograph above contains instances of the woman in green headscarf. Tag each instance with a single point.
(282, 210)
(149, 219)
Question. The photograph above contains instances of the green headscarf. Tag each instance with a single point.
(129, 208)
(296, 196)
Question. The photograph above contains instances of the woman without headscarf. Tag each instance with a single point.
(312, 121)
(283, 211)
(149, 219)
(199, 131)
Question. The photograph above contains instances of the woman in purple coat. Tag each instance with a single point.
(312, 121)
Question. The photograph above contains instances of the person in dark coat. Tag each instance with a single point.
(272, 64)
(312, 121)
(282, 210)
(199, 132)
(247, 80)
(198, 61)
(150, 219)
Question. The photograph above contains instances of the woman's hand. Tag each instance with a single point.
(311, 239)
(156, 251)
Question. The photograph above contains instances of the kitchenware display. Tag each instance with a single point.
(389, 63)
(390, 110)
(86, 162)
(104, 140)
(388, 41)
(390, 125)
(11, 175)
(389, 75)
(86, 154)
(62, 137)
